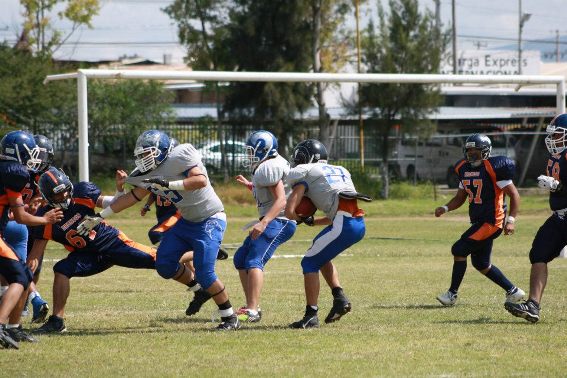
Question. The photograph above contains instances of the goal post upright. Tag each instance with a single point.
(83, 75)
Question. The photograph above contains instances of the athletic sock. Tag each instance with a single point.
(496, 276)
(225, 309)
(338, 292)
(194, 285)
(459, 269)
(311, 310)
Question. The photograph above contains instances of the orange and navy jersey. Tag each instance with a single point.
(164, 208)
(65, 231)
(557, 168)
(484, 185)
(31, 189)
(13, 179)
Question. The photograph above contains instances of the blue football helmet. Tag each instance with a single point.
(152, 148)
(20, 146)
(478, 142)
(556, 139)
(260, 146)
(46, 154)
(309, 151)
(53, 183)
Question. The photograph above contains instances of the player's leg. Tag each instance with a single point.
(239, 261)
(16, 236)
(40, 307)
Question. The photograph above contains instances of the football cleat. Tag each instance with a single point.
(201, 296)
(448, 298)
(341, 306)
(19, 335)
(54, 324)
(6, 340)
(308, 321)
(247, 315)
(40, 310)
(229, 323)
(515, 295)
(527, 310)
(222, 254)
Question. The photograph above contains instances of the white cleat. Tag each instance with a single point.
(448, 298)
(516, 295)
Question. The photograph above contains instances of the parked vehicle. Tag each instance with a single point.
(212, 157)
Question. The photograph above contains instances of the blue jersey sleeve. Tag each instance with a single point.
(86, 191)
(15, 177)
(504, 168)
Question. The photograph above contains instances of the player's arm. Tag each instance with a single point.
(278, 192)
(455, 202)
(195, 179)
(512, 192)
(22, 216)
(292, 202)
(35, 254)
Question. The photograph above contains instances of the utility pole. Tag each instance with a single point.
(455, 38)
(358, 60)
(557, 45)
(522, 19)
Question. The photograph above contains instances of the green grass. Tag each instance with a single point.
(132, 323)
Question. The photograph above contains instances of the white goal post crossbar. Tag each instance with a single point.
(226, 76)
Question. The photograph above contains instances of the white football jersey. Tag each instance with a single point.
(269, 173)
(323, 183)
(194, 205)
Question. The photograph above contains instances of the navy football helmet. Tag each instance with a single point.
(20, 146)
(46, 153)
(152, 148)
(53, 184)
(309, 151)
(478, 142)
(556, 139)
(260, 146)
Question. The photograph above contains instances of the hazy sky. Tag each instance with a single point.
(140, 27)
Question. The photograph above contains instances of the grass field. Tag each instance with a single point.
(132, 323)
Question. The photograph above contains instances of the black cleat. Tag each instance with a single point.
(201, 296)
(308, 321)
(527, 310)
(229, 323)
(19, 335)
(6, 340)
(40, 312)
(54, 324)
(222, 254)
(341, 306)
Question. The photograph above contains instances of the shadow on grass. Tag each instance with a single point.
(407, 306)
(481, 320)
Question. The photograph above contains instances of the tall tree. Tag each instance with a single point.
(38, 29)
(406, 41)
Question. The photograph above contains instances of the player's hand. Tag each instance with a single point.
(309, 221)
(53, 216)
(34, 204)
(509, 228)
(120, 177)
(439, 211)
(257, 230)
(547, 182)
(32, 264)
(158, 182)
(87, 225)
(241, 179)
(144, 210)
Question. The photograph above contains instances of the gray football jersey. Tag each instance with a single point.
(194, 205)
(269, 173)
(323, 184)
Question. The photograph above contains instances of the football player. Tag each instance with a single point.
(484, 181)
(332, 191)
(269, 171)
(179, 175)
(19, 155)
(551, 237)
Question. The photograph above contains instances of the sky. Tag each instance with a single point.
(139, 27)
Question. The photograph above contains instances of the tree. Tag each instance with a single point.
(38, 29)
(406, 42)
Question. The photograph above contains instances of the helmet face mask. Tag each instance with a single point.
(309, 151)
(152, 148)
(56, 188)
(46, 154)
(20, 146)
(260, 146)
(477, 148)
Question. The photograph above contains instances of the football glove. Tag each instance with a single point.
(548, 182)
(88, 223)
(309, 221)
(158, 182)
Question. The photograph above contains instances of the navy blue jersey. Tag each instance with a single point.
(31, 189)
(13, 179)
(101, 237)
(486, 198)
(164, 208)
(557, 168)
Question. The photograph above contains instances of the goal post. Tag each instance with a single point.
(83, 75)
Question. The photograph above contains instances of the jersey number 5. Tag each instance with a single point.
(474, 191)
(553, 169)
(76, 240)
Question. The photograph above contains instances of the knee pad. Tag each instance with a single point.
(460, 248)
(166, 269)
(309, 266)
(205, 279)
(479, 264)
